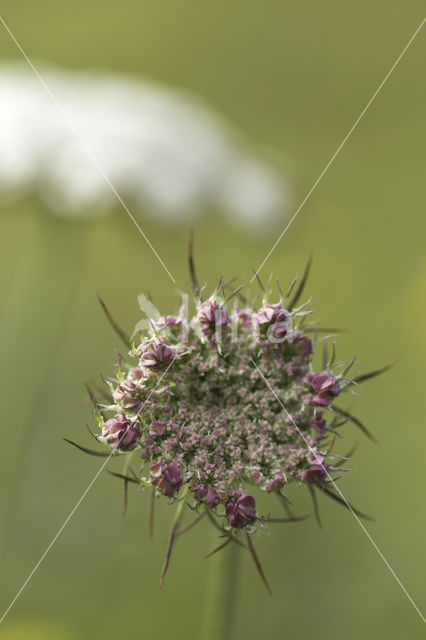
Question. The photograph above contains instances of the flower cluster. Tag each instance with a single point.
(225, 400)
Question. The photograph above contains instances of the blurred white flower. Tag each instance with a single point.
(164, 151)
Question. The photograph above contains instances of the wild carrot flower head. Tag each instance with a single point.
(223, 402)
(195, 405)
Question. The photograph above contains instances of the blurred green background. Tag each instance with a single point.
(293, 76)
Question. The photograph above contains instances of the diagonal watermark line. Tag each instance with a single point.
(341, 495)
(78, 503)
(333, 157)
(86, 148)
(54, 539)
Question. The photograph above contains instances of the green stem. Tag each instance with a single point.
(221, 592)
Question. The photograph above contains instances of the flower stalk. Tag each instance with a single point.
(221, 599)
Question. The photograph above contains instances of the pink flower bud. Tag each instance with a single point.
(318, 468)
(275, 485)
(212, 315)
(303, 343)
(273, 319)
(157, 428)
(317, 472)
(119, 433)
(127, 394)
(326, 387)
(245, 317)
(241, 511)
(155, 354)
(169, 321)
(211, 497)
(167, 478)
(318, 422)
